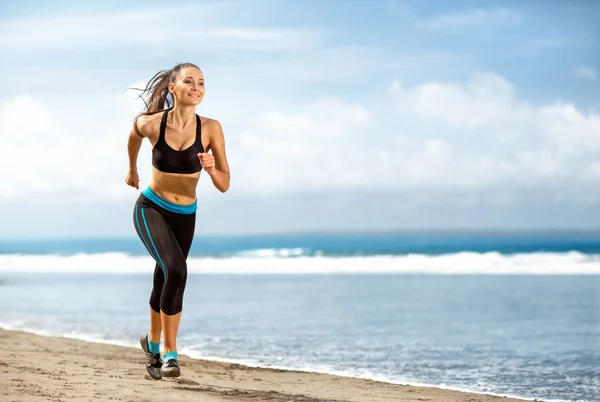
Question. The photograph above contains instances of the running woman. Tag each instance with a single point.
(164, 215)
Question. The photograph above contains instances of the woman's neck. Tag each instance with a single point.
(182, 116)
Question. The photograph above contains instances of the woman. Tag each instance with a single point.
(165, 213)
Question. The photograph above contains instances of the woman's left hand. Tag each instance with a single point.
(207, 161)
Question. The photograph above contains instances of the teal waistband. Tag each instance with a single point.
(169, 206)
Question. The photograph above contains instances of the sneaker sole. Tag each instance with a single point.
(171, 373)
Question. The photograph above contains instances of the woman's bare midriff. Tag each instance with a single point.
(175, 187)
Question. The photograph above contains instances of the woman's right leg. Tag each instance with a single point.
(170, 275)
(155, 321)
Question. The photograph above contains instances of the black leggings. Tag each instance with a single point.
(167, 231)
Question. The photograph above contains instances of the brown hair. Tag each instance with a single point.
(157, 91)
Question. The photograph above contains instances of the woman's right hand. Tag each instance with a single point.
(133, 179)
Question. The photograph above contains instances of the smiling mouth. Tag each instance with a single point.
(194, 96)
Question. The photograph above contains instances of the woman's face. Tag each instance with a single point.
(188, 88)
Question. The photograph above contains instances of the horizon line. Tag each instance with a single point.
(354, 232)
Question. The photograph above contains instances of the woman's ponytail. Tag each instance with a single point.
(157, 97)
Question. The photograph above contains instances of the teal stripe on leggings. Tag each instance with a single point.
(142, 233)
(152, 241)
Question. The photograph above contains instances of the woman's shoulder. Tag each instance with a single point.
(148, 124)
(210, 124)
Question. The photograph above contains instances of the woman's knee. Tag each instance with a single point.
(177, 274)
(172, 294)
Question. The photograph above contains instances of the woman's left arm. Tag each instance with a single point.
(216, 164)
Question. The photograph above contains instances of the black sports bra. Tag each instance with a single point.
(169, 160)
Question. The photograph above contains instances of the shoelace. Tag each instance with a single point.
(153, 359)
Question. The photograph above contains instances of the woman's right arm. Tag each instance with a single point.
(134, 143)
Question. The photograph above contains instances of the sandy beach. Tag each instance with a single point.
(37, 368)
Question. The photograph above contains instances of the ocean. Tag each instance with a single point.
(499, 313)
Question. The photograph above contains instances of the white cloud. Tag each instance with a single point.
(571, 130)
(493, 138)
(28, 155)
(587, 73)
(304, 149)
(326, 119)
(475, 135)
(497, 17)
(146, 28)
(48, 151)
(474, 104)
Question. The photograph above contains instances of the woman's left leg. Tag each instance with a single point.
(183, 228)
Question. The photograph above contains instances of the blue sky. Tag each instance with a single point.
(348, 115)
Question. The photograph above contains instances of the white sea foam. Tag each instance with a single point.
(456, 263)
(274, 252)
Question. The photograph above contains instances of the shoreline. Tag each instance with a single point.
(48, 368)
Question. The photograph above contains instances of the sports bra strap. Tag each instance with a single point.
(163, 126)
(199, 131)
